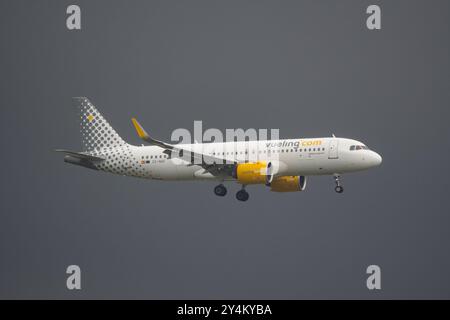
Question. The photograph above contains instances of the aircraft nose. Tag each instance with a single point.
(377, 159)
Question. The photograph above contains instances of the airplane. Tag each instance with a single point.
(280, 165)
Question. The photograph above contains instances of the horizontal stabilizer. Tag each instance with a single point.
(80, 155)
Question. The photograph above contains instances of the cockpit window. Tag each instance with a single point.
(359, 147)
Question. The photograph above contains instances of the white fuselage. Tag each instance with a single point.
(282, 165)
(315, 156)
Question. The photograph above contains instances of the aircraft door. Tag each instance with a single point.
(333, 149)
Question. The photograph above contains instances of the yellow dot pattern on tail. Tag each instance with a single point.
(96, 132)
(100, 139)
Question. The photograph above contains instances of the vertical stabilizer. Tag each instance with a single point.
(96, 132)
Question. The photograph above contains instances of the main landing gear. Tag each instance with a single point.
(338, 188)
(242, 195)
(221, 191)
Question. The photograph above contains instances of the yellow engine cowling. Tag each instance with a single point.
(288, 184)
(251, 173)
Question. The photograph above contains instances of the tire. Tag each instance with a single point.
(242, 195)
(220, 190)
(339, 189)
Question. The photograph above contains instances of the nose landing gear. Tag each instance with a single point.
(220, 190)
(338, 188)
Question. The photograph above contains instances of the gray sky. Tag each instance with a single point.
(310, 68)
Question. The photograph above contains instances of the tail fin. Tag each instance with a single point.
(96, 132)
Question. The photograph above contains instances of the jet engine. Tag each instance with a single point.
(288, 184)
(251, 173)
(258, 172)
(275, 169)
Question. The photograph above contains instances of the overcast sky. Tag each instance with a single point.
(309, 68)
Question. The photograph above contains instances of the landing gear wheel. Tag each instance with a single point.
(220, 190)
(338, 188)
(242, 195)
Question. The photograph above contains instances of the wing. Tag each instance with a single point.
(214, 165)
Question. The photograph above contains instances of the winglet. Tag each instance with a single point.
(140, 131)
(144, 136)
